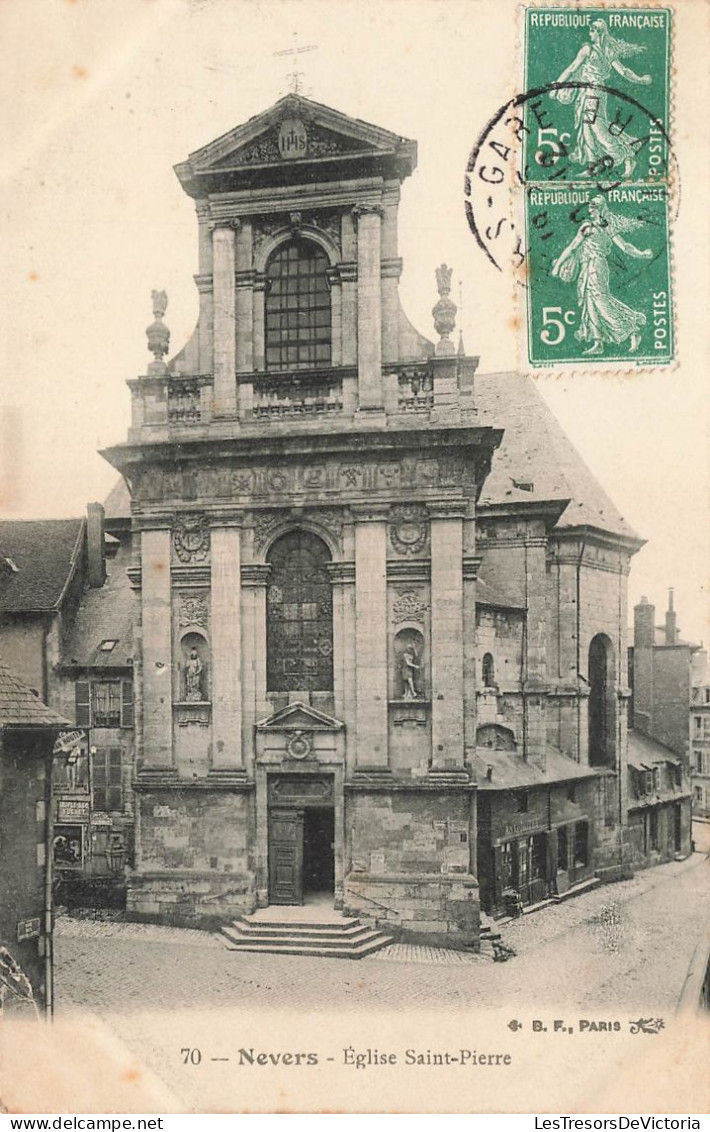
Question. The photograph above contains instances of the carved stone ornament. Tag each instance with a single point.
(409, 529)
(300, 745)
(191, 538)
(193, 611)
(265, 523)
(444, 312)
(158, 334)
(409, 605)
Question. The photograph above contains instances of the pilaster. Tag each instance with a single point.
(369, 306)
(225, 386)
(227, 752)
(157, 648)
(371, 637)
(447, 650)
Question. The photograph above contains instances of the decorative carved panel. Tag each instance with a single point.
(410, 604)
(191, 538)
(409, 529)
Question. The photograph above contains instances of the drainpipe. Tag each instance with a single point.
(579, 643)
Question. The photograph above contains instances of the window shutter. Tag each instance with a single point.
(115, 779)
(100, 777)
(126, 703)
(82, 701)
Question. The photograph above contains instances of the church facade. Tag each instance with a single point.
(382, 602)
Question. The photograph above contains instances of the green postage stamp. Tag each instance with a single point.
(597, 175)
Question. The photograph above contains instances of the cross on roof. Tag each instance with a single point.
(295, 76)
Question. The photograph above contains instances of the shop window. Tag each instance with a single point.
(562, 849)
(299, 625)
(297, 308)
(489, 671)
(602, 705)
(653, 829)
(103, 703)
(581, 844)
(108, 779)
(521, 802)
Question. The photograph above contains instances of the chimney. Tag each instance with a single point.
(95, 545)
(644, 624)
(671, 626)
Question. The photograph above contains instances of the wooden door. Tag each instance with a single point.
(285, 856)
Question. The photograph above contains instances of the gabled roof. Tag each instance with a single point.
(536, 461)
(105, 614)
(298, 717)
(43, 554)
(20, 707)
(328, 136)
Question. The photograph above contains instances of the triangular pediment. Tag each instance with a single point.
(294, 132)
(299, 717)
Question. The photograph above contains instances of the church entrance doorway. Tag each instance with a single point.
(301, 840)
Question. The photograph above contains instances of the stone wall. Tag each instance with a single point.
(411, 864)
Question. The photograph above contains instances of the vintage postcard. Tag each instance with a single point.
(354, 530)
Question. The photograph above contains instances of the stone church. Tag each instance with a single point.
(381, 600)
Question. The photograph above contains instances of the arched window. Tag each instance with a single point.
(299, 618)
(489, 671)
(602, 713)
(298, 332)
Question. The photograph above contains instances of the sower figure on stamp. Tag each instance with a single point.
(596, 137)
(409, 667)
(586, 260)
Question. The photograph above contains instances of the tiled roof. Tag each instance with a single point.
(105, 614)
(645, 753)
(42, 554)
(20, 707)
(511, 771)
(117, 504)
(491, 593)
(535, 451)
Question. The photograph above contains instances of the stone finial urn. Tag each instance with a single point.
(158, 334)
(444, 312)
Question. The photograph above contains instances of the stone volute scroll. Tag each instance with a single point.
(444, 312)
(158, 334)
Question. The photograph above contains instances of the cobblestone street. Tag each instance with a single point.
(615, 948)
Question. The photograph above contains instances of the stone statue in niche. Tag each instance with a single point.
(409, 669)
(408, 665)
(193, 677)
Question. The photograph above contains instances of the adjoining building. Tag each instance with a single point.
(700, 735)
(66, 621)
(659, 819)
(381, 602)
(28, 730)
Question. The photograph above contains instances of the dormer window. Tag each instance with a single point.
(108, 645)
(298, 321)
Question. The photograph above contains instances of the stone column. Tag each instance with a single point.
(371, 638)
(254, 582)
(225, 362)
(157, 649)
(447, 651)
(391, 271)
(336, 317)
(226, 647)
(204, 283)
(348, 316)
(369, 306)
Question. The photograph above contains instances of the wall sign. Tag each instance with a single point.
(28, 929)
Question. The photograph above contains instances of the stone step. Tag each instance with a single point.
(312, 931)
(291, 924)
(280, 942)
(314, 949)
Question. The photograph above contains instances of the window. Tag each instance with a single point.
(521, 801)
(581, 844)
(298, 332)
(299, 625)
(698, 723)
(108, 784)
(699, 762)
(489, 674)
(698, 794)
(571, 793)
(562, 849)
(657, 778)
(648, 782)
(653, 829)
(677, 772)
(107, 646)
(104, 703)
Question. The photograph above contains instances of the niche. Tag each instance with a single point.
(193, 675)
(408, 677)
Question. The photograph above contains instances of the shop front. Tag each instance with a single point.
(534, 837)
